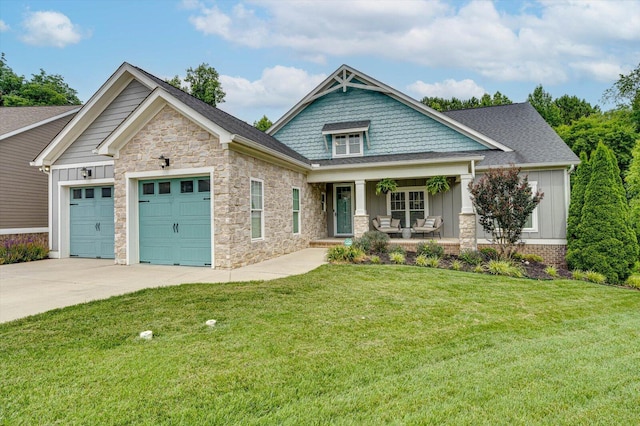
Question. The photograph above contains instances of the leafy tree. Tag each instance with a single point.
(580, 182)
(606, 242)
(263, 124)
(443, 104)
(626, 92)
(614, 128)
(573, 108)
(504, 202)
(633, 189)
(42, 89)
(202, 83)
(542, 101)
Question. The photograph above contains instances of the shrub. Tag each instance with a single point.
(456, 265)
(551, 271)
(595, 277)
(372, 242)
(430, 249)
(532, 258)
(633, 281)
(351, 254)
(578, 275)
(489, 253)
(480, 269)
(15, 251)
(397, 258)
(505, 268)
(375, 259)
(471, 257)
(421, 260)
(398, 249)
(428, 261)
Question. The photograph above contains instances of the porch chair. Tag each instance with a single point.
(387, 224)
(428, 225)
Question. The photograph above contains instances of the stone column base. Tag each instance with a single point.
(360, 225)
(467, 236)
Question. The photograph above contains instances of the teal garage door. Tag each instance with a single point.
(91, 222)
(175, 221)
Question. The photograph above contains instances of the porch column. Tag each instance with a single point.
(467, 217)
(361, 218)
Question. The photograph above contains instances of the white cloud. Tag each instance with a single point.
(4, 27)
(278, 87)
(537, 44)
(50, 28)
(463, 89)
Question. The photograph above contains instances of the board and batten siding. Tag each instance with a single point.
(395, 128)
(552, 210)
(81, 149)
(23, 188)
(59, 176)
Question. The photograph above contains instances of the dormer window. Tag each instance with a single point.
(347, 138)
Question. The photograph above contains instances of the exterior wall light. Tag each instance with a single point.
(163, 162)
(84, 172)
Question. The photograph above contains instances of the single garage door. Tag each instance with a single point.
(91, 222)
(175, 221)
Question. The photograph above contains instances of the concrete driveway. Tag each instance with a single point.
(35, 287)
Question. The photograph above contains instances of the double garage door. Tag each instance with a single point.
(91, 222)
(175, 221)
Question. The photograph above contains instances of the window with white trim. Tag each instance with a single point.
(531, 225)
(407, 205)
(257, 209)
(296, 210)
(347, 145)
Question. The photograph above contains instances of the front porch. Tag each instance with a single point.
(451, 245)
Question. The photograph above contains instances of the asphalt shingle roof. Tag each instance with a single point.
(14, 118)
(330, 127)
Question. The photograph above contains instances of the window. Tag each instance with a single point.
(148, 188)
(186, 186)
(531, 225)
(296, 210)
(204, 185)
(88, 193)
(164, 188)
(323, 201)
(77, 194)
(407, 205)
(106, 192)
(347, 145)
(257, 208)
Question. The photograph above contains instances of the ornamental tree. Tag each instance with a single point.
(504, 201)
(580, 181)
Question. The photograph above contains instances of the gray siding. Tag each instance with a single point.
(552, 210)
(81, 149)
(23, 194)
(62, 175)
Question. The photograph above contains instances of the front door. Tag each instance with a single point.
(343, 209)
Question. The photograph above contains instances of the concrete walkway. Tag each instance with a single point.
(35, 287)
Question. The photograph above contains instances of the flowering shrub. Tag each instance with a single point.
(22, 250)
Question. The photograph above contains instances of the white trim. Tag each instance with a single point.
(10, 231)
(50, 207)
(173, 173)
(347, 144)
(293, 210)
(335, 213)
(378, 164)
(39, 123)
(262, 230)
(534, 214)
(342, 131)
(527, 166)
(79, 165)
(536, 241)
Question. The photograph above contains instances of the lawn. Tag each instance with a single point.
(343, 344)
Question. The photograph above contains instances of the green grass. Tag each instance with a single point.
(343, 344)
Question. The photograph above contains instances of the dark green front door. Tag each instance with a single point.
(175, 221)
(91, 227)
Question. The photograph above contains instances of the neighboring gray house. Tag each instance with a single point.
(24, 132)
(147, 173)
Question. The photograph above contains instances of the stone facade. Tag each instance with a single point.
(187, 145)
(467, 231)
(360, 225)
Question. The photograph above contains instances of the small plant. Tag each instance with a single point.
(456, 265)
(372, 242)
(421, 260)
(397, 258)
(344, 254)
(578, 275)
(398, 249)
(551, 271)
(595, 277)
(437, 184)
(433, 261)
(22, 250)
(489, 253)
(430, 249)
(633, 281)
(375, 259)
(386, 185)
(532, 258)
(480, 269)
(471, 257)
(505, 268)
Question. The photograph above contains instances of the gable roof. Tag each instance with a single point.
(15, 120)
(523, 129)
(346, 76)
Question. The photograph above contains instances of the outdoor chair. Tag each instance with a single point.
(429, 225)
(387, 224)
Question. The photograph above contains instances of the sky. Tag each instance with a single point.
(271, 53)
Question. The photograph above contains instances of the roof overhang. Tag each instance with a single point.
(246, 146)
(90, 111)
(39, 123)
(528, 166)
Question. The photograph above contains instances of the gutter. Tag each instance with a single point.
(395, 163)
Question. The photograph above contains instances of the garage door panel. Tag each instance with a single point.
(91, 222)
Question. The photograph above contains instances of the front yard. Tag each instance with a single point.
(343, 344)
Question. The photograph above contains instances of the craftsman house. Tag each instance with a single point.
(147, 173)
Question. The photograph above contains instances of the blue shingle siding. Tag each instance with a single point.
(395, 128)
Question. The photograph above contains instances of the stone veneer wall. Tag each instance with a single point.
(360, 225)
(467, 231)
(171, 134)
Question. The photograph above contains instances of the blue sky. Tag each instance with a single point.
(271, 53)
